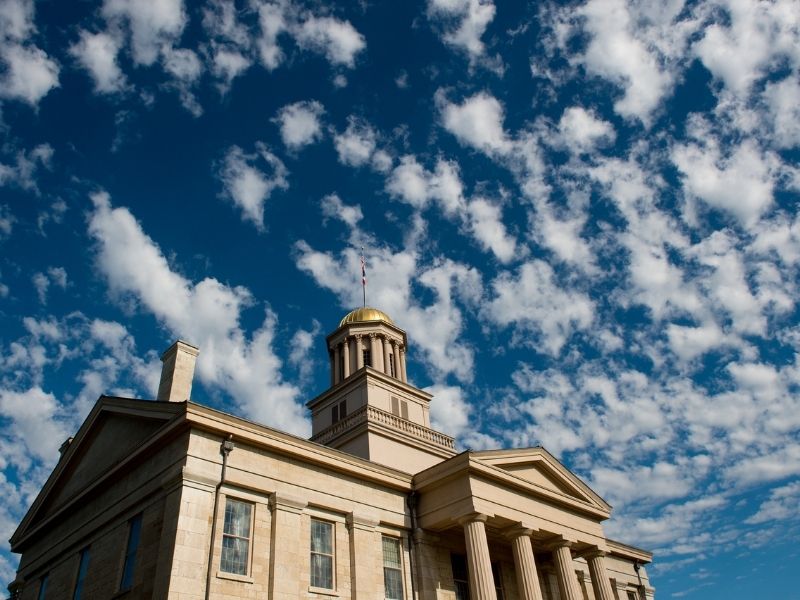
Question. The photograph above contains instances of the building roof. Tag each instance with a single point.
(365, 314)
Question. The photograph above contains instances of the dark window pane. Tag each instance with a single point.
(322, 571)
(83, 567)
(129, 567)
(42, 588)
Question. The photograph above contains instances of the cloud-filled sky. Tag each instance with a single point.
(585, 215)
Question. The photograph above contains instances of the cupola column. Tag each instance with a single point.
(376, 351)
(403, 374)
(337, 359)
(359, 352)
(387, 350)
(346, 349)
(396, 354)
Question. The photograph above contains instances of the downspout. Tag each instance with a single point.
(225, 449)
(411, 500)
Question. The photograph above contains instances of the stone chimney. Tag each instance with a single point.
(177, 372)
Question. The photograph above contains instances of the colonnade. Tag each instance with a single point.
(480, 567)
(386, 355)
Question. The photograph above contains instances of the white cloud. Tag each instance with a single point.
(582, 130)
(228, 64)
(97, 53)
(464, 23)
(781, 505)
(356, 144)
(751, 36)
(339, 41)
(38, 423)
(476, 122)
(30, 74)
(249, 187)
(617, 54)
(186, 68)
(450, 412)
(150, 25)
(27, 164)
(300, 123)
(535, 304)
(273, 22)
(740, 183)
(333, 208)
(486, 224)
(783, 100)
(207, 313)
(413, 184)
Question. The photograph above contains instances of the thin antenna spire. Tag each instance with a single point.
(364, 276)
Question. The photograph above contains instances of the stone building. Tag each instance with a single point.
(172, 499)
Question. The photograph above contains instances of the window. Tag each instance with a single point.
(367, 358)
(391, 365)
(321, 554)
(236, 537)
(392, 569)
(128, 569)
(498, 580)
(83, 566)
(42, 588)
(458, 563)
(339, 412)
(632, 596)
(404, 409)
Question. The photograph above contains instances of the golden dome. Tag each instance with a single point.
(365, 314)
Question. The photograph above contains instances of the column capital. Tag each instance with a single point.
(472, 518)
(594, 553)
(372, 335)
(358, 336)
(516, 531)
(559, 542)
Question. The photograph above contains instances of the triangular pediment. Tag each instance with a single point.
(114, 429)
(539, 467)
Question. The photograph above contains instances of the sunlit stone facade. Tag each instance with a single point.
(171, 499)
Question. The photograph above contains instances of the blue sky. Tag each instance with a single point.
(584, 215)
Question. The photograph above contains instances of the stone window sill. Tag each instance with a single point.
(323, 592)
(234, 577)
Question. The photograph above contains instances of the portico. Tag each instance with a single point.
(542, 514)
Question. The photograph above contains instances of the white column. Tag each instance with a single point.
(359, 352)
(337, 358)
(524, 564)
(403, 374)
(386, 351)
(565, 570)
(396, 353)
(346, 349)
(352, 355)
(481, 582)
(377, 351)
(597, 570)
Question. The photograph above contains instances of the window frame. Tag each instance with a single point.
(249, 538)
(42, 594)
(398, 568)
(131, 551)
(331, 556)
(83, 568)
